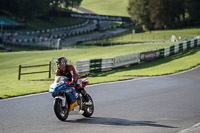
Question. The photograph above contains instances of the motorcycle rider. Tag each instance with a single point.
(67, 70)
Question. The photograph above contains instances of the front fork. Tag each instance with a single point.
(80, 101)
(63, 98)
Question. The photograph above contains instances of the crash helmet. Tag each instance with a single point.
(61, 62)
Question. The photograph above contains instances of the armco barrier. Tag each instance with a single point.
(28, 33)
(147, 56)
(171, 51)
(188, 44)
(180, 47)
(56, 36)
(95, 65)
(124, 60)
(85, 67)
(184, 45)
(176, 48)
(106, 64)
(151, 55)
(167, 51)
(161, 53)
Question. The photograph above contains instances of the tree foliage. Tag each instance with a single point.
(25, 9)
(140, 12)
(160, 14)
(193, 11)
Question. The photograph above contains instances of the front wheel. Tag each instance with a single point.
(88, 109)
(60, 111)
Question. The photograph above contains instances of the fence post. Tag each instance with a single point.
(19, 72)
(50, 69)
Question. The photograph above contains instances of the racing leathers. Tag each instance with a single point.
(70, 72)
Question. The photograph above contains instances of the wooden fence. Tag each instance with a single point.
(20, 70)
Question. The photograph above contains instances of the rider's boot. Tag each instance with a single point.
(86, 97)
(88, 101)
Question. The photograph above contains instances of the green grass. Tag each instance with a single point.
(155, 36)
(173, 64)
(119, 7)
(9, 62)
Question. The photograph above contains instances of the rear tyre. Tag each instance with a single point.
(88, 109)
(61, 112)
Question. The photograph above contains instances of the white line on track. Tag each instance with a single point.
(30, 95)
(193, 129)
(184, 71)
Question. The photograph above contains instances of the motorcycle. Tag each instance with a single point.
(67, 100)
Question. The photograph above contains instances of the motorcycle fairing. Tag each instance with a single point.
(70, 92)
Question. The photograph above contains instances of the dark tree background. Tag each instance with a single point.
(160, 14)
(26, 9)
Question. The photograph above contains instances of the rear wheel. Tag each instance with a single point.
(88, 109)
(60, 111)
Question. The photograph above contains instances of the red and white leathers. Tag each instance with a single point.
(70, 72)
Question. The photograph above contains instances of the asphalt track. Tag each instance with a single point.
(165, 104)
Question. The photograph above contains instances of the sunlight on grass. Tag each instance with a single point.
(103, 7)
(9, 65)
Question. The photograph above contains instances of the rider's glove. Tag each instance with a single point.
(72, 84)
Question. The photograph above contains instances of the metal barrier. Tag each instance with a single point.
(20, 69)
(97, 65)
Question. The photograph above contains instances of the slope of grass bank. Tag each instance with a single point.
(119, 7)
(161, 36)
(9, 62)
(173, 64)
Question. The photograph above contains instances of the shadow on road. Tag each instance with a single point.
(117, 122)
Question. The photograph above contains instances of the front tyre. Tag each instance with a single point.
(88, 109)
(61, 112)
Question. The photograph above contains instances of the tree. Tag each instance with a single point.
(26, 9)
(166, 13)
(192, 7)
(55, 4)
(157, 14)
(139, 12)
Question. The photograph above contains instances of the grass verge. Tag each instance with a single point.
(161, 36)
(29, 84)
(119, 7)
(173, 64)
